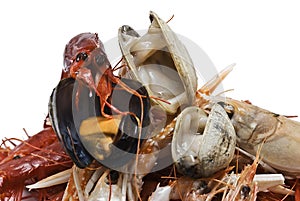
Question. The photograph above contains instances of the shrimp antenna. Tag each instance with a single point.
(160, 99)
(170, 19)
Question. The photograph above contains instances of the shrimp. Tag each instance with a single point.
(255, 126)
(85, 59)
(34, 159)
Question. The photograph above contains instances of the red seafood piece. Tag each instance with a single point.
(34, 159)
(3, 153)
(40, 140)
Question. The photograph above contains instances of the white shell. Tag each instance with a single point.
(201, 155)
(161, 62)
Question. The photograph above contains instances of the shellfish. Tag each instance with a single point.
(203, 145)
(86, 135)
(257, 127)
(161, 62)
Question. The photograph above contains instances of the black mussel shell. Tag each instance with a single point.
(61, 113)
(71, 103)
(126, 101)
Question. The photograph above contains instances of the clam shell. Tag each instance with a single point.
(161, 62)
(202, 155)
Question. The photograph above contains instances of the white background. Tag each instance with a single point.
(262, 37)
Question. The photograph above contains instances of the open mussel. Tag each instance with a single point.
(86, 135)
(124, 131)
(203, 145)
(161, 62)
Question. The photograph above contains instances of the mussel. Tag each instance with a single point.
(86, 135)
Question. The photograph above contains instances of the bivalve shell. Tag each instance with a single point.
(202, 146)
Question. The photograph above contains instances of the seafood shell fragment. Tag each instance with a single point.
(201, 155)
(161, 62)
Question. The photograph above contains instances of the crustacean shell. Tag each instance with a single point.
(201, 155)
(161, 62)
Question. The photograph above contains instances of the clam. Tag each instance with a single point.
(201, 145)
(161, 62)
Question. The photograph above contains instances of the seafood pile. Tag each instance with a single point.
(145, 130)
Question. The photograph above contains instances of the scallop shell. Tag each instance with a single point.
(202, 155)
(161, 62)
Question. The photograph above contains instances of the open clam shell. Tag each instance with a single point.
(161, 62)
(202, 145)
